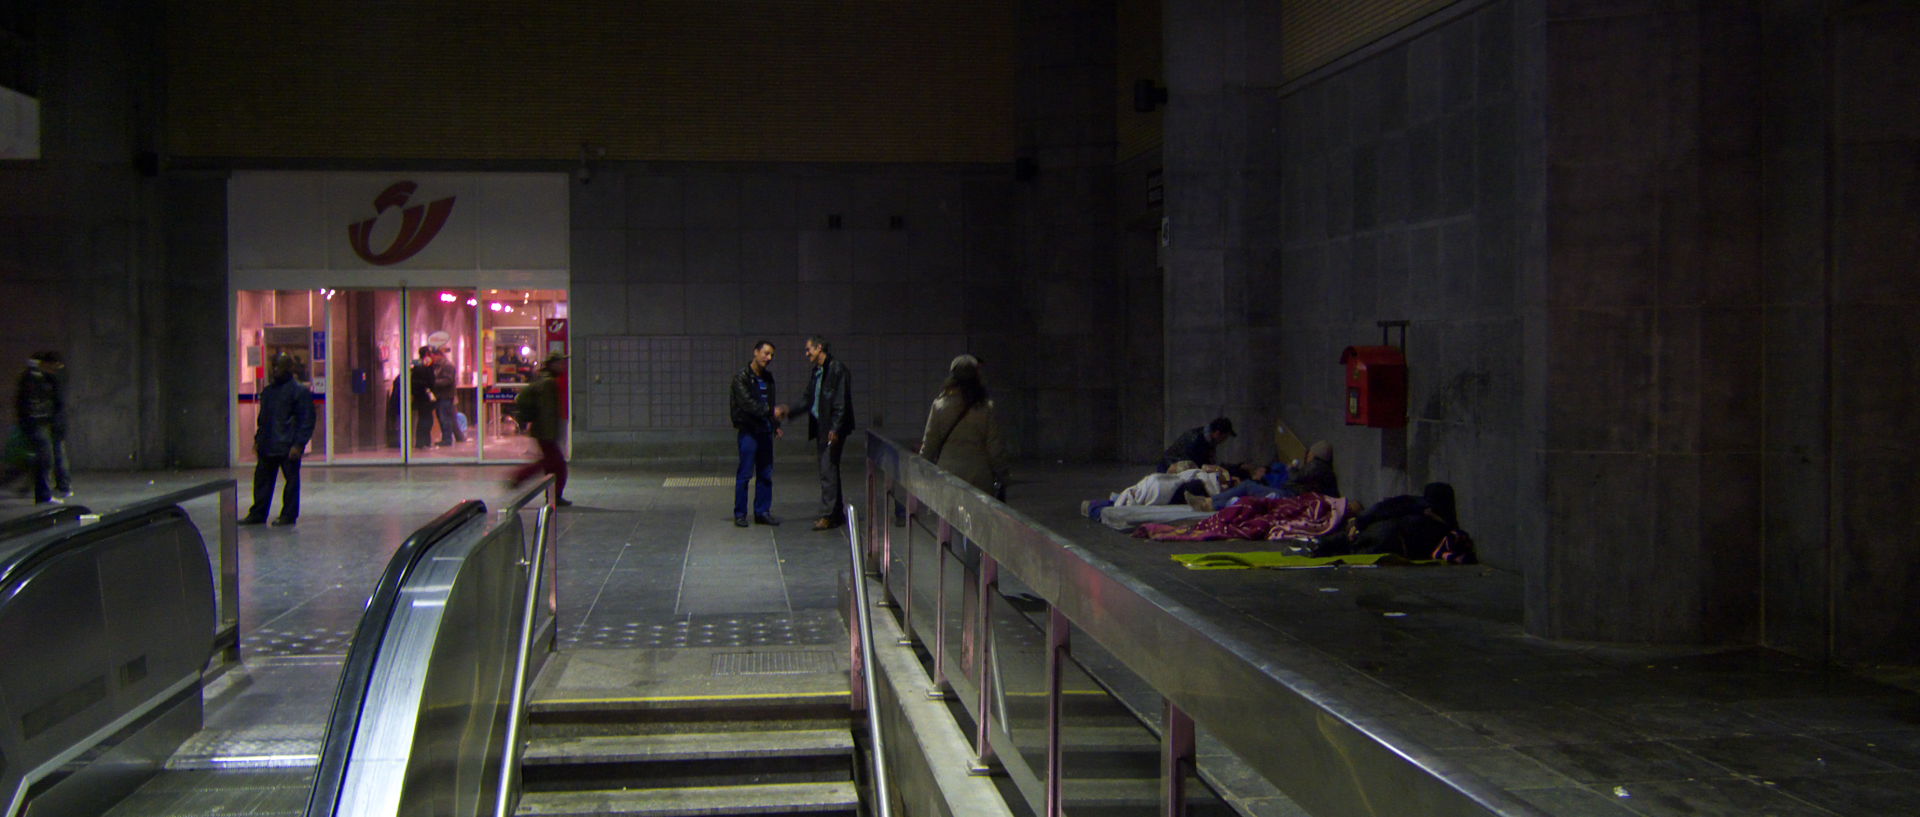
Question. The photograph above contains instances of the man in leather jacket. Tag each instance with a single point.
(756, 418)
(828, 402)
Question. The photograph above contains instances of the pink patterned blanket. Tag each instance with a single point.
(1294, 517)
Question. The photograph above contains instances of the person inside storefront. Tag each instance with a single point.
(446, 381)
(419, 380)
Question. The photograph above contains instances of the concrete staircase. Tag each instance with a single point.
(691, 755)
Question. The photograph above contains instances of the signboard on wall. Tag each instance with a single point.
(374, 222)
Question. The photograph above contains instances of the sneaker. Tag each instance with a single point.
(253, 520)
(765, 519)
(281, 522)
(64, 493)
(825, 523)
(1200, 503)
(563, 503)
(1086, 508)
(53, 500)
(739, 521)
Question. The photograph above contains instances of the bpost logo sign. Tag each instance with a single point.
(418, 225)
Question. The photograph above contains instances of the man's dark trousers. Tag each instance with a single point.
(756, 463)
(449, 428)
(263, 479)
(833, 503)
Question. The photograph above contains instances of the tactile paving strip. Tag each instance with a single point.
(776, 662)
(267, 641)
(696, 482)
(797, 630)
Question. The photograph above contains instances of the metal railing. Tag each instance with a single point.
(866, 694)
(539, 563)
(1300, 736)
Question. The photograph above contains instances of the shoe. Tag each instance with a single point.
(1086, 508)
(765, 519)
(281, 522)
(1200, 503)
(563, 503)
(253, 520)
(739, 521)
(54, 500)
(825, 523)
(64, 493)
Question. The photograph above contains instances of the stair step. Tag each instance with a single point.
(688, 746)
(776, 798)
(735, 706)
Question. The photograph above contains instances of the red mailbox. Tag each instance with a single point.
(1376, 386)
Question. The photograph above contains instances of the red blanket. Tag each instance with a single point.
(1293, 517)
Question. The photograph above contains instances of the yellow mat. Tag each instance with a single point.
(1285, 561)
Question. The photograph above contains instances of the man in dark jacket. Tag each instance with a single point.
(1198, 444)
(828, 402)
(419, 383)
(756, 418)
(445, 386)
(538, 409)
(286, 425)
(42, 409)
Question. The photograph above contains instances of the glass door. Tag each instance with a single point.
(367, 395)
(279, 321)
(442, 334)
(514, 338)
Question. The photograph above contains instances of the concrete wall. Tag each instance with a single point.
(679, 268)
(1872, 498)
(81, 267)
(1387, 187)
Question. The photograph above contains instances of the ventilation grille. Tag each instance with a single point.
(786, 662)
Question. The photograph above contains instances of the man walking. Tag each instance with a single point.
(538, 409)
(419, 385)
(829, 405)
(757, 420)
(286, 425)
(43, 422)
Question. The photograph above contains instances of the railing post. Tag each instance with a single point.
(229, 606)
(1058, 631)
(906, 603)
(882, 521)
(1176, 761)
(942, 540)
(982, 647)
(873, 506)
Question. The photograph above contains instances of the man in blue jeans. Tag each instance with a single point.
(756, 418)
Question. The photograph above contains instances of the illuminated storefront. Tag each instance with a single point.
(355, 275)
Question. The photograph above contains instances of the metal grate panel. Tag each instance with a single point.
(697, 482)
(784, 662)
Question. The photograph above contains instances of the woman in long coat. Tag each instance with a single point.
(962, 435)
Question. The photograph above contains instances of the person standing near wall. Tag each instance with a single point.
(829, 405)
(756, 420)
(286, 426)
(962, 435)
(537, 407)
(42, 408)
(446, 381)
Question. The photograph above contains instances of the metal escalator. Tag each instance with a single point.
(122, 693)
(454, 700)
(110, 627)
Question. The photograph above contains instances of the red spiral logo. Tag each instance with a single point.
(418, 225)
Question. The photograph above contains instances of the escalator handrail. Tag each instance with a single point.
(357, 671)
(53, 543)
(523, 657)
(41, 519)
